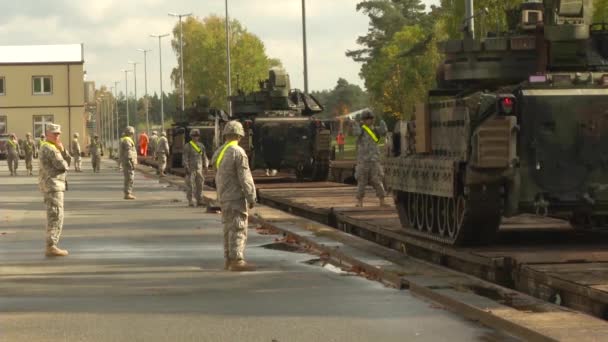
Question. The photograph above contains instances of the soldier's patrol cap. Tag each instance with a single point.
(96, 136)
(163, 134)
(195, 132)
(130, 129)
(28, 134)
(12, 135)
(53, 128)
(76, 135)
(154, 132)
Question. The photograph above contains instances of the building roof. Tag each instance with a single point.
(41, 54)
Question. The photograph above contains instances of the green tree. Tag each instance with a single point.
(205, 59)
(601, 11)
(342, 99)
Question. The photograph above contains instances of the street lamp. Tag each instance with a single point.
(108, 141)
(117, 136)
(228, 80)
(146, 87)
(181, 53)
(135, 79)
(126, 71)
(160, 63)
(304, 43)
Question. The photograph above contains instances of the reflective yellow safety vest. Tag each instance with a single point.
(50, 144)
(221, 156)
(371, 133)
(128, 138)
(195, 147)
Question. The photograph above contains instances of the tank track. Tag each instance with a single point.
(469, 219)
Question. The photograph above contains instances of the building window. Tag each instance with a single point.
(42, 85)
(40, 122)
(2, 86)
(3, 129)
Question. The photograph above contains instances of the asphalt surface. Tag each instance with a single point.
(151, 270)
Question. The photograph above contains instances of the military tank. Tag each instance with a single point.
(281, 132)
(517, 124)
(208, 120)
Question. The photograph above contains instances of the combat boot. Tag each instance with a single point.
(227, 262)
(240, 266)
(129, 197)
(54, 251)
(383, 203)
(191, 204)
(359, 203)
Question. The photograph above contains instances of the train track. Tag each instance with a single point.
(541, 257)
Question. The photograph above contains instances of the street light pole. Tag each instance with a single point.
(117, 125)
(228, 79)
(135, 79)
(146, 87)
(160, 63)
(305, 50)
(127, 93)
(111, 115)
(181, 54)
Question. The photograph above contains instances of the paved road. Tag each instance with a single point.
(150, 270)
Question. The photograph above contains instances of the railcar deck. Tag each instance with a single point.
(540, 256)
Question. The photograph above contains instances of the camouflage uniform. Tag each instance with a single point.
(54, 165)
(75, 152)
(162, 152)
(153, 144)
(194, 161)
(13, 151)
(128, 160)
(369, 170)
(235, 191)
(96, 150)
(30, 150)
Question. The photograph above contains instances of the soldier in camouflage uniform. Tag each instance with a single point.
(194, 160)
(96, 150)
(75, 152)
(30, 150)
(54, 164)
(39, 142)
(153, 144)
(369, 170)
(128, 160)
(162, 153)
(13, 151)
(236, 193)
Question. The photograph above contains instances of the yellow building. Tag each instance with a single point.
(41, 84)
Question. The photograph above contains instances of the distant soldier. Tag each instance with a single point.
(162, 153)
(153, 143)
(39, 143)
(236, 193)
(29, 151)
(75, 152)
(54, 164)
(143, 144)
(13, 151)
(194, 160)
(96, 150)
(128, 159)
(369, 170)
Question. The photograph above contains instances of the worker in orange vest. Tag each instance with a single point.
(340, 141)
(143, 144)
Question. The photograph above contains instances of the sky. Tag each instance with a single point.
(113, 30)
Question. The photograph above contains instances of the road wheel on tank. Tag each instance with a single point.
(403, 204)
(450, 216)
(320, 169)
(430, 212)
(477, 215)
(581, 220)
(441, 214)
(420, 211)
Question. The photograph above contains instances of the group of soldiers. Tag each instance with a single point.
(14, 152)
(234, 183)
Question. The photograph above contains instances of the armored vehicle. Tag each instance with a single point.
(281, 132)
(199, 115)
(518, 124)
